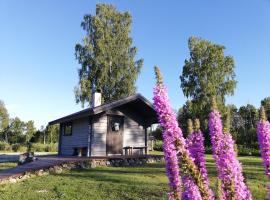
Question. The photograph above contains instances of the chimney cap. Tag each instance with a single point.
(98, 90)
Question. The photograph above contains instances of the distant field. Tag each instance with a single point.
(145, 182)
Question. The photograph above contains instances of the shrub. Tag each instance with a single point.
(39, 147)
(158, 145)
(4, 146)
(53, 147)
(240, 149)
(19, 148)
(247, 151)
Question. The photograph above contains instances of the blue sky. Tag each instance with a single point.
(38, 69)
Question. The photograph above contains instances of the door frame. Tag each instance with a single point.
(108, 127)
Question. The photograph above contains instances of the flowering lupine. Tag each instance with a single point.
(230, 171)
(191, 190)
(195, 145)
(228, 167)
(174, 143)
(263, 131)
(171, 132)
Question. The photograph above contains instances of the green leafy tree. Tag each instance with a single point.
(17, 131)
(266, 104)
(52, 132)
(237, 124)
(184, 113)
(208, 72)
(30, 130)
(106, 56)
(4, 121)
(250, 116)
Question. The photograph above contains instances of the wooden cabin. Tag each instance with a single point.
(117, 128)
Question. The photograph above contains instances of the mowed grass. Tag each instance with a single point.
(144, 182)
(7, 165)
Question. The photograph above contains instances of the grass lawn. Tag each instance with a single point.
(7, 165)
(145, 182)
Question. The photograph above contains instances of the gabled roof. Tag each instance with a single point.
(137, 101)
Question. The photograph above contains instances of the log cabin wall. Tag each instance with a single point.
(98, 137)
(78, 138)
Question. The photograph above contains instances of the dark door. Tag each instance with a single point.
(114, 139)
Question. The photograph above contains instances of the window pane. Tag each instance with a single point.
(68, 129)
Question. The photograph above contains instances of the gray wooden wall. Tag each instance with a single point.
(99, 131)
(133, 133)
(78, 138)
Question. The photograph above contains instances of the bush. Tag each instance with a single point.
(240, 149)
(19, 148)
(158, 145)
(53, 147)
(247, 151)
(39, 147)
(34, 147)
(4, 146)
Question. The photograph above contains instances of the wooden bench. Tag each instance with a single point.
(128, 150)
(141, 150)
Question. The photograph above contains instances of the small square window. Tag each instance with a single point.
(67, 129)
(116, 126)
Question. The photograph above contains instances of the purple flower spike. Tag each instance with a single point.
(174, 145)
(195, 145)
(191, 189)
(171, 131)
(228, 167)
(263, 131)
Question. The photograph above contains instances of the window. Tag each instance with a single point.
(67, 129)
(115, 126)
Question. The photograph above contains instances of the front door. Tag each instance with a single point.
(114, 141)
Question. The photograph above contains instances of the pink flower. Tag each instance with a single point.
(171, 132)
(228, 167)
(191, 190)
(195, 145)
(174, 145)
(263, 130)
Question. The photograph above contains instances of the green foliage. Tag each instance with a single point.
(107, 56)
(30, 130)
(39, 147)
(158, 145)
(19, 148)
(4, 146)
(157, 133)
(52, 133)
(4, 120)
(16, 131)
(266, 104)
(242, 150)
(247, 151)
(207, 73)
